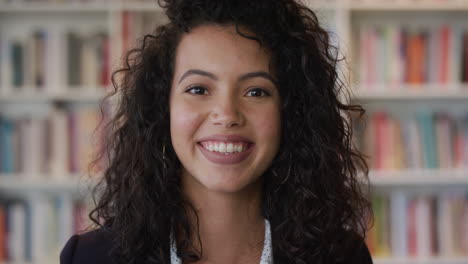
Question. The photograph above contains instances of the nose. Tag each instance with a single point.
(227, 113)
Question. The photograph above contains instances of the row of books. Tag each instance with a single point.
(409, 225)
(425, 140)
(62, 143)
(36, 229)
(47, 59)
(394, 55)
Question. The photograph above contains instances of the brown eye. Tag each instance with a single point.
(257, 92)
(200, 90)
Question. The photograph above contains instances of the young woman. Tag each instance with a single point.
(230, 145)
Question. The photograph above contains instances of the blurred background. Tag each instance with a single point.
(406, 63)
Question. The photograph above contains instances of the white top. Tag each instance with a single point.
(267, 252)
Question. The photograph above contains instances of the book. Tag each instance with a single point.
(16, 231)
(393, 55)
(465, 58)
(17, 60)
(3, 233)
(7, 164)
(59, 145)
(418, 225)
(398, 224)
(437, 140)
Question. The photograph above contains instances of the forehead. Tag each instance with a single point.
(220, 49)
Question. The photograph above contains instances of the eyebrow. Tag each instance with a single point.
(243, 77)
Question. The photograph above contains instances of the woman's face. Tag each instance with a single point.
(224, 109)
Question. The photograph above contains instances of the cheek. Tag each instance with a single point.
(184, 121)
(269, 124)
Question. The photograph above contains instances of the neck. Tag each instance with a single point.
(231, 225)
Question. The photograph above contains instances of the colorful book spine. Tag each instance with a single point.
(65, 142)
(435, 140)
(392, 56)
(33, 61)
(35, 228)
(419, 225)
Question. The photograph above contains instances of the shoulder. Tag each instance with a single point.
(91, 247)
(357, 252)
(360, 254)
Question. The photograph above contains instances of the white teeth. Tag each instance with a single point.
(229, 148)
(222, 147)
(225, 148)
(239, 148)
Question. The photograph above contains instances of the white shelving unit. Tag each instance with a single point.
(24, 184)
(406, 99)
(108, 16)
(72, 96)
(420, 177)
(413, 93)
(405, 5)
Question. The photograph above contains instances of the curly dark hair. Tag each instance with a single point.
(318, 212)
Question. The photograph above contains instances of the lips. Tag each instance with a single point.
(231, 158)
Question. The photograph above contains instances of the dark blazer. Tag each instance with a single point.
(94, 248)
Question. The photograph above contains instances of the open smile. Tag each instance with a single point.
(225, 149)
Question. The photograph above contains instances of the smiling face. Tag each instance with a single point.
(224, 110)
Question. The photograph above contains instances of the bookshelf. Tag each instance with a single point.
(109, 27)
(412, 95)
(74, 184)
(409, 72)
(419, 177)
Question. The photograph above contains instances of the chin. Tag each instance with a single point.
(223, 186)
(229, 185)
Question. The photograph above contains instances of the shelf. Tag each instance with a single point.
(81, 95)
(54, 7)
(48, 260)
(326, 4)
(99, 6)
(408, 5)
(419, 177)
(364, 5)
(28, 183)
(430, 260)
(413, 92)
(144, 6)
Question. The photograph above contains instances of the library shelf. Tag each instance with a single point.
(419, 177)
(79, 95)
(330, 5)
(25, 184)
(55, 7)
(408, 5)
(78, 7)
(147, 6)
(413, 92)
(21, 262)
(365, 5)
(143, 6)
(426, 260)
